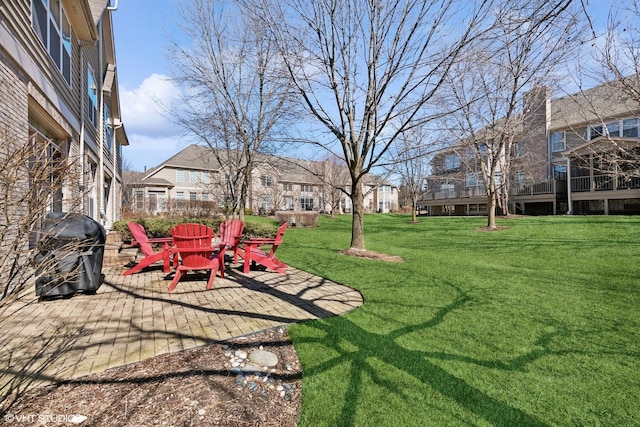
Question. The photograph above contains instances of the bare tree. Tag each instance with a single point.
(612, 64)
(413, 167)
(620, 54)
(38, 176)
(366, 70)
(489, 85)
(235, 95)
(333, 176)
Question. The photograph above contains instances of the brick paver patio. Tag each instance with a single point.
(133, 318)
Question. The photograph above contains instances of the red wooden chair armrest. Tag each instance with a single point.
(259, 241)
(154, 240)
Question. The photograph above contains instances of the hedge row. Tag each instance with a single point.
(161, 227)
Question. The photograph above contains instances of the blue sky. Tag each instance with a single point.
(141, 29)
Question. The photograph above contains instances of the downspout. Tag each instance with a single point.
(115, 169)
(101, 206)
(569, 202)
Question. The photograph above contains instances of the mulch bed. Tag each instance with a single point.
(192, 387)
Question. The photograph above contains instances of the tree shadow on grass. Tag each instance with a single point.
(384, 348)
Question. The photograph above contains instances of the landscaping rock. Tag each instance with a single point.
(263, 358)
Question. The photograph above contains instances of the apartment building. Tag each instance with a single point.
(59, 96)
(194, 178)
(578, 154)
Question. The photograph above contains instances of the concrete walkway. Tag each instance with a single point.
(134, 318)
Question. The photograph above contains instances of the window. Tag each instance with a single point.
(179, 175)
(306, 203)
(518, 149)
(206, 177)
(596, 131)
(265, 203)
(266, 181)
(205, 197)
(45, 157)
(92, 95)
(288, 203)
(54, 31)
(180, 195)
(519, 177)
(471, 180)
(287, 186)
(193, 196)
(193, 177)
(306, 188)
(559, 171)
(558, 141)
(139, 197)
(630, 128)
(451, 161)
(108, 132)
(625, 128)
(384, 189)
(498, 178)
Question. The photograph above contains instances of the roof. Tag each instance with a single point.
(288, 169)
(192, 157)
(599, 104)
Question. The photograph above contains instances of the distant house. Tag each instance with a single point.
(59, 94)
(578, 154)
(193, 179)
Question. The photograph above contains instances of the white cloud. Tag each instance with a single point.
(144, 109)
(148, 151)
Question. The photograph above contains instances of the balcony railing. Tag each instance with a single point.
(604, 182)
(545, 187)
(466, 193)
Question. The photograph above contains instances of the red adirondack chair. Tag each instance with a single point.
(252, 253)
(230, 233)
(150, 256)
(192, 242)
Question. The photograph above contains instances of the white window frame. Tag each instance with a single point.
(560, 144)
(471, 180)
(179, 175)
(193, 177)
(59, 50)
(92, 95)
(451, 162)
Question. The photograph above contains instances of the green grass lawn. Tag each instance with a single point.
(538, 324)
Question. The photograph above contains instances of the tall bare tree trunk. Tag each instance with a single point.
(491, 209)
(357, 221)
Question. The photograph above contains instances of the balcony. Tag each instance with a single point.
(545, 187)
(466, 193)
(603, 183)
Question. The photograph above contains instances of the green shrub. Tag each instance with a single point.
(161, 227)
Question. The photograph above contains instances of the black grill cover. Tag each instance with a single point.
(69, 258)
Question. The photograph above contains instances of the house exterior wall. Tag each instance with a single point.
(544, 172)
(270, 188)
(49, 101)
